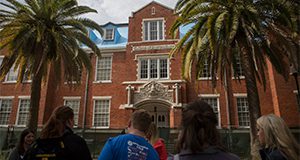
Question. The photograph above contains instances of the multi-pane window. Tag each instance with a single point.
(12, 75)
(153, 30)
(23, 112)
(74, 103)
(239, 70)
(205, 72)
(153, 68)
(243, 111)
(5, 109)
(213, 102)
(103, 68)
(101, 113)
(109, 34)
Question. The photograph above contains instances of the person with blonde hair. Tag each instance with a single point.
(276, 139)
(157, 142)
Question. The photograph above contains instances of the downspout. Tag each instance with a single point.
(86, 96)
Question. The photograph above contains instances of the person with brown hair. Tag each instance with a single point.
(26, 139)
(199, 137)
(133, 145)
(157, 142)
(277, 141)
(57, 137)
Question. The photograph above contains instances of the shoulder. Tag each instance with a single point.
(276, 154)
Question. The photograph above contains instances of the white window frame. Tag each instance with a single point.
(76, 115)
(158, 58)
(206, 68)
(7, 98)
(148, 31)
(18, 112)
(96, 69)
(217, 96)
(241, 95)
(240, 68)
(95, 98)
(12, 71)
(297, 101)
(105, 37)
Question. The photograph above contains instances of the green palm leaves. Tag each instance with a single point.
(40, 34)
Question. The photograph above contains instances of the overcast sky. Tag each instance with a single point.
(118, 11)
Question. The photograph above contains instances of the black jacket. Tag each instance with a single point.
(272, 154)
(75, 146)
(211, 153)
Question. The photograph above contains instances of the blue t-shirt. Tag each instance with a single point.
(128, 147)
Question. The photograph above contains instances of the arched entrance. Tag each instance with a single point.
(159, 110)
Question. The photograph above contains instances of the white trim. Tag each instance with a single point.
(209, 95)
(93, 117)
(160, 80)
(71, 97)
(150, 55)
(295, 91)
(102, 97)
(158, 31)
(240, 77)
(240, 94)
(112, 36)
(7, 97)
(166, 40)
(18, 111)
(96, 68)
(23, 97)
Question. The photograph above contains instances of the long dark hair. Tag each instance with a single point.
(198, 126)
(56, 124)
(20, 145)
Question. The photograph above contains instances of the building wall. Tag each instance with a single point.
(278, 96)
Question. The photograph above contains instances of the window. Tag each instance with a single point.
(74, 103)
(12, 75)
(153, 30)
(243, 111)
(23, 112)
(1, 59)
(205, 72)
(5, 109)
(239, 70)
(213, 102)
(101, 113)
(103, 68)
(154, 68)
(109, 34)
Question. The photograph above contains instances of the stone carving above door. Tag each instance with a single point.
(153, 90)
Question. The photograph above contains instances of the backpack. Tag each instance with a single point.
(47, 149)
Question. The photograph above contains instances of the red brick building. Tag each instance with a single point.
(135, 71)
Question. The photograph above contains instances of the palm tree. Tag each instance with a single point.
(39, 34)
(224, 30)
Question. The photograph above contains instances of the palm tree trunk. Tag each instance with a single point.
(35, 100)
(253, 100)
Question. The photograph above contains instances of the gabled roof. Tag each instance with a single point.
(155, 3)
(115, 24)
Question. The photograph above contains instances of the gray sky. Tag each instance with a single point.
(118, 11)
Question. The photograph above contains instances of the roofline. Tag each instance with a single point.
(116, 24)
(151, 3)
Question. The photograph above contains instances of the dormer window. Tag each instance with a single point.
(109, 34)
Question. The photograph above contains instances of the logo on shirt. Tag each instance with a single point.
(137, 151)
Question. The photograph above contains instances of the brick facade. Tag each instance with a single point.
(279, 96)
